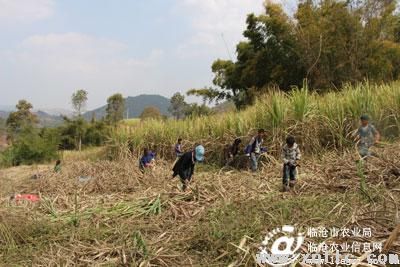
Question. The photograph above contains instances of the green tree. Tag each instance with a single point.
(33, 145)
(196, 110)
(22, 117)
(93, 133)
(96, 133)
(72, 132)
(115, 109)
(328, 43)
(178, 106)
(267, 58)
(330, 39)
(151, 113)
(79, 99)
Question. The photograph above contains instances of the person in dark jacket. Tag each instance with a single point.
(147, 160)
(184, 167)
(254, 149)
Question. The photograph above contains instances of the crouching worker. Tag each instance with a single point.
(231, 151)
(184, 167)
(57, 167)
(254, 149)
(290, 155)
(147, 161)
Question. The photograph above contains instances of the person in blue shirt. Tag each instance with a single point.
(184, 167)
(147, 160)
(367, 136)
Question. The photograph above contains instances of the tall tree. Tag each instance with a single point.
(328, 42)
(178, 106)
(22, 117)
(267, 58)
(115, 109)
(79, 99)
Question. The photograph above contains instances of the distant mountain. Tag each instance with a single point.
(4, 114)
(45, 119)
(48, 120)
(7, 108)
(134, 106)
(57, 111)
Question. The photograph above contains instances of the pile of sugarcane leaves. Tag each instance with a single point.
(121, 217)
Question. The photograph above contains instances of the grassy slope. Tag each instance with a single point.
(123, 218)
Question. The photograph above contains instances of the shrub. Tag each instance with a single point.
(32, 146)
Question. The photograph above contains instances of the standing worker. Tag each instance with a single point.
(178, 148)
(290, 155)
(367, 136)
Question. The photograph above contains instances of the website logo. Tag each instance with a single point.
(280, 247)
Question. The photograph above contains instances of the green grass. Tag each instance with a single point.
(318, 121)
(130, 122)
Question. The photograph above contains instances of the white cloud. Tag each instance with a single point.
(77, 52)
(25, 10)
(69, 61)
(212, 19)
(69, 52)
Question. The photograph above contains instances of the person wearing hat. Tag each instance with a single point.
(367, 136)
(184, 167)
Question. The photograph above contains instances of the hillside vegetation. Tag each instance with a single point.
(319, 121)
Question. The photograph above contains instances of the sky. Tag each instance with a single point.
(51, 48)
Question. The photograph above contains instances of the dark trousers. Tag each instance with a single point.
(186, 177)
(289, 172)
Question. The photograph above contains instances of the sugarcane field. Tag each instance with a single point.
(200, 133)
